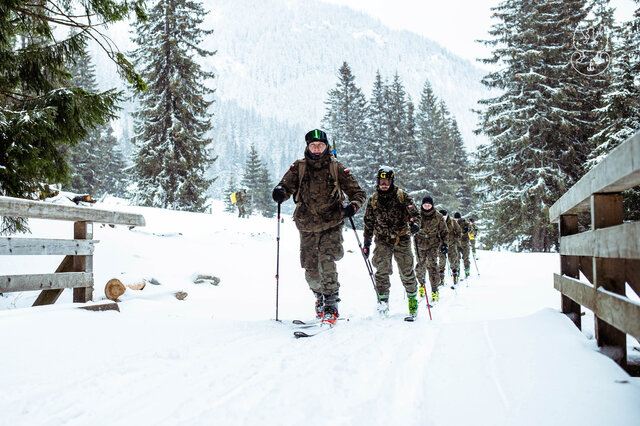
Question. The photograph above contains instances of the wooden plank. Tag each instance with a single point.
(43, 246)
(10, 206)
(619, 171)
(33, 282)
(586, 267)
(570, 266)
(621, 242)
(83, 231)
(619, 311)
(632, 275)
(101, 307)
(49, 297)
(607, 211)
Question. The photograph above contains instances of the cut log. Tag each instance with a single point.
(114, 289)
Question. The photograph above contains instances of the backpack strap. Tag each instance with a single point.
(333, 169)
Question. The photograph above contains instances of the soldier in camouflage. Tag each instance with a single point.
(317, 183)
(473, 233)
(241, 200)
(463, 243)
(429, 241)
(392, 217)
(450, 249)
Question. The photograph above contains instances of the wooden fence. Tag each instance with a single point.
(608, 255)
(76, 269)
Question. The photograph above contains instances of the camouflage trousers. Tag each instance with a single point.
(454, 259)
(382, 254)
(319, 252)
(242, 211)
(473, 245)
(427, 260)
(464, 255)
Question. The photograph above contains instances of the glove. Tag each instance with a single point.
(414, 228)
(279, 194)
(348, 209)
(366, 248)
(444, 249)
(466, 229)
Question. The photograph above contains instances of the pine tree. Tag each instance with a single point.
(172, 149)
(618, 117)
(251, 179)
(400, 145)
(540, 123)
(263, 199)
(97, 161)
(42, 113)
(378, 125)
(229, 206)
(426, 169)
(345, 123)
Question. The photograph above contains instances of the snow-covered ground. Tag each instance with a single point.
(497, 352)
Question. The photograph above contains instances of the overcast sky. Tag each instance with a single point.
(455, 24)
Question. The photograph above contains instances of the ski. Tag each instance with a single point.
(410, 318)
(298, 334)
(315, 321)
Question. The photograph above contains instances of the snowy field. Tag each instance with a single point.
(497, 352)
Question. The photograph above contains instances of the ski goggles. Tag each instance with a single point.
(316, 135)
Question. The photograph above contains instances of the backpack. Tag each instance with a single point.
(333, 169)
(374, 198)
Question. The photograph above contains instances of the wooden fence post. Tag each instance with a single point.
(570, 266)
(609, 273)
(83, 231)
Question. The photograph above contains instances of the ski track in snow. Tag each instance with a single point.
(496, 351)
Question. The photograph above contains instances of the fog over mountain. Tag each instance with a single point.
(277, 59)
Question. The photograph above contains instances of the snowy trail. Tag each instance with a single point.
(497, 352)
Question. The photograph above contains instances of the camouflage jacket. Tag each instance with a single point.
(389, 219)
(473, 229)
(433, 231)
(240, 197)
(453, 237)
(464, 237)
(317, 194)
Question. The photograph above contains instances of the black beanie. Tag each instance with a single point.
(443, 212)
(427, 200)
(456, 215)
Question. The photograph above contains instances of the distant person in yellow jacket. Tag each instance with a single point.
(473, 233)
(241, 200)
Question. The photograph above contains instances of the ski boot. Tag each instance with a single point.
(435, 296)
(330, 314)
(466, 273)
(383, 305)
(442, 278)
(319, 304)
(455, 279)
(421, 290)
(413, 305)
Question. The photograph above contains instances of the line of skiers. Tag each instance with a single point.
(317, 183)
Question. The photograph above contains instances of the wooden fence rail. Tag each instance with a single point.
(76, 269)
(608, 255)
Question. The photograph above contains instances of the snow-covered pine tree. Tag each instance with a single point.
(619, 117)
(346, 125)
(378, 126)
(461, 176)
(229, 206)
(252, 180)
(425, 169)
(539, 124)
(400, 147)
(97, 161)
(41, 110)
(172, 147)
(442, 159)
(263, 200)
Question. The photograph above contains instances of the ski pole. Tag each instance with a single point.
(426, 296)
(366, 260)
(475, 263)
(278, 262)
